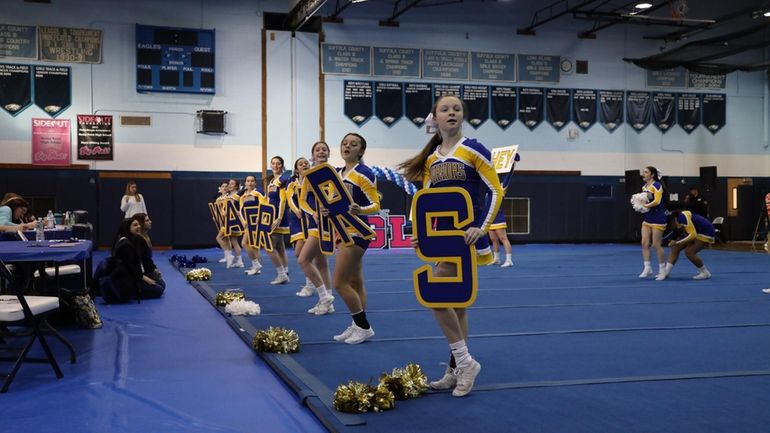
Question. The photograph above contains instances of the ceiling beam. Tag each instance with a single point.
(678, 35)
(302, 12)
(552, 12)
(598, 25)
(409, 4)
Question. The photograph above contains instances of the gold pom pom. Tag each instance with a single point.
(276, 340)
(356, 397)
(407, 382)
(228, 296)
(198, 274)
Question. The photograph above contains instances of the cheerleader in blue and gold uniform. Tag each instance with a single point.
(348, 267)
(698, 234)
(233, 259)
(654, 222)
(249, 196)
(276, 193)
(297, 218)
(450, 159)
(311, 260)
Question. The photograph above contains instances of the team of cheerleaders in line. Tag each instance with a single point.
(448, 160)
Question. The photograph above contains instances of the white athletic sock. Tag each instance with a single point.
(509, 257)
(322, 292)
(669, 266)
(309, 283)
(647, 265)
(495, 257)
(460, 352)
(703, 269)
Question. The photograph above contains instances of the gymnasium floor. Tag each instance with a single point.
(569, 339)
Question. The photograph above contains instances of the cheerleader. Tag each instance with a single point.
(348, 268)
(450, 159)
(233, 254)
(297, 218)
(698, 234)
(311, 260)
(654, 222)
(276, 193)
(249, 196)
(219, 207)
(498, 236)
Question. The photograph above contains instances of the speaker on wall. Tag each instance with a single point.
(708, 179)
(633, 181)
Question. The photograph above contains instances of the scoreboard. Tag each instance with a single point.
(170, 59)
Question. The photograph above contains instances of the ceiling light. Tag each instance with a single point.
(643, 5)
(767, 14)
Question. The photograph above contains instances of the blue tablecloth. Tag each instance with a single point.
(46, 251)
(50, 234)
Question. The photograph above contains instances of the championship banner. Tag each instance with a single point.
(62, 44)
(504, 106)
(444, 242)
(663, 112)
(557, 101)
(611, 108)
(51, 142)
(638, 107)
(388, 101)
(15, 88)
(714, 111)
(52, 88)
(531, 106)
(358, 101)
(503, 158)
(95, 137)
(332, 195)
(18, 41)
(418, 101)
(584, 108)
(477, 100)
(440, 90)
(688, 111)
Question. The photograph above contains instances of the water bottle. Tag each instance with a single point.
(67, 221)
(50, 221)
(39, 230)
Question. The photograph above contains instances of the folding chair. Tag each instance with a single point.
(29, 314)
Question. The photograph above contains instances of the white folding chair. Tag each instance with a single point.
(27, 316)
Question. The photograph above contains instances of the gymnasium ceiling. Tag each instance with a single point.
(709, 36)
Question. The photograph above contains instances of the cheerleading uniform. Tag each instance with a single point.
(468, 165)
(297, 225)
(696, 227)
(276, 194)
(656, 216)
(361, 183)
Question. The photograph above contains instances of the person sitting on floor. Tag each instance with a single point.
(129, 273)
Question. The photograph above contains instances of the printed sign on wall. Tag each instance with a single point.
(51, 142)
(15, 88)
(52, 88)
(95, 137)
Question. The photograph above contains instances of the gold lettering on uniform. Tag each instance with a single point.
(447, 171)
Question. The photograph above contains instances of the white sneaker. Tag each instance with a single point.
(662, 275)
(766, 291)
(280, 279)
(447, 381)
(359, 335)
(238, 262)
(646, 273)
(465, 378)
(223, 260)
(253, 271)
(705, 275)
(324, 306)
(306, 291)
(345, 334)
(507, 264)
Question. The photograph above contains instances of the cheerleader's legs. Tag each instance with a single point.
(253, 254)
(315, 267)
(347, 270)
(280, 248)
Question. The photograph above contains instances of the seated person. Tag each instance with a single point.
(13, 214)
(124, 276)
